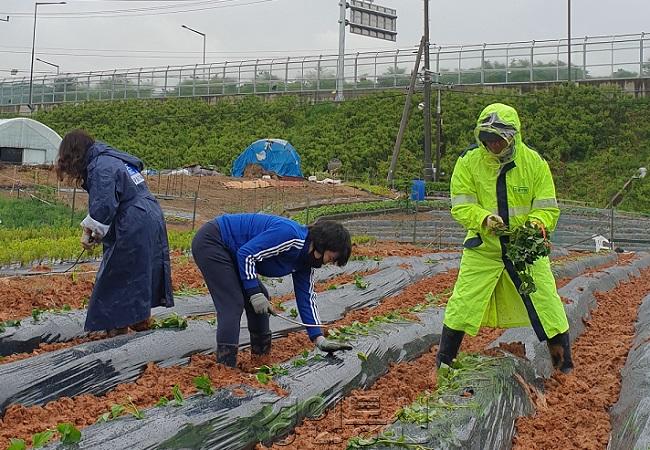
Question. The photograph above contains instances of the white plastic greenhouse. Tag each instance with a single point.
(26, 141)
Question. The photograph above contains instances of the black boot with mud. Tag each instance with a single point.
(559, 346)
(227, 354)
(260, 343)
(450, 341)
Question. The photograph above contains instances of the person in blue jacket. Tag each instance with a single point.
(233, 249)
(135, 272)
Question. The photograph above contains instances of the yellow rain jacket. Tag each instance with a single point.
(517, 186)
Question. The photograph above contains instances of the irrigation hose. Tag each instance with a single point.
(295, 322)
(53, 272)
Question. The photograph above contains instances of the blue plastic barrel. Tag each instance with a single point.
(417, 190)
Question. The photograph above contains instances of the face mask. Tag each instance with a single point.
(507, 154)
(315, 262)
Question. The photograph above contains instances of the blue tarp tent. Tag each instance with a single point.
(274, 155)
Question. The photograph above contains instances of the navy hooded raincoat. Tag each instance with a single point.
(135, 273)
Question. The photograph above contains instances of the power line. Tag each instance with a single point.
(127, 13)
(234, 52)
(115, 11)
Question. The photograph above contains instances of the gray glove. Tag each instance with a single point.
(331, 346)
(260, 303)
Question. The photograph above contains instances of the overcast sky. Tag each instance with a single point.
(246, 29)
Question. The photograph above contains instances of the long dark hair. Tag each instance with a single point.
(330, 235)
(71, 163)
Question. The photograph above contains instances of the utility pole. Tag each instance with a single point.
(31, 70)
(436, 172)
(405, 114)
(340, 66)
(569, 41)
(427, 172)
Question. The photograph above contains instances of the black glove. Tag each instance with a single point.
(329, 346)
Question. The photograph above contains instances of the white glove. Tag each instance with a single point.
(88, 241)
(494, 223)
(331, 346)
(260, 303)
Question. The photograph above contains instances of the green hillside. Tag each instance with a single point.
(593, 138)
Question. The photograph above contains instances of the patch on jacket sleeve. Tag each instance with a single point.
(136, 176)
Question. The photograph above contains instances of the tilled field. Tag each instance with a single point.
(389, 307)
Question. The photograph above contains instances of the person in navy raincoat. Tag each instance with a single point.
(135, 272)
(231, 250)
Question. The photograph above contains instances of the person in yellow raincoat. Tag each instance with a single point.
(502, 183)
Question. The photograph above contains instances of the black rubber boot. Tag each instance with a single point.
(227, 354)
(559, 346)
(260, 343)
(449, 345)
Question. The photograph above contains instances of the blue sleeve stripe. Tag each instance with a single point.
(312, 299)
(268, 253)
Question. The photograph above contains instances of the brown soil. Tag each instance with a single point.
(22, 294)
(390, 393)
(577, 414)
(156, 381)
(325, 285)
(84, 410)
(367, 412)
(46, 348)
(216, 194)
(388, 248)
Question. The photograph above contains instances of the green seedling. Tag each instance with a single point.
(360, 282)
(332, 287)
(69, 434)
(8, 323)
(37, 313)
(266, 373)
(293, 312)
(163, 401)
(115, 412)
(187, 291)
(304, 358)
(356, 328)
(299, 362)
(17, 444)
(362, 356)
(132, 409)
(203, 384)
(279, 306)
(526, 245)
(178, 396)
(172, 321)
(40, 439)
(385, 439)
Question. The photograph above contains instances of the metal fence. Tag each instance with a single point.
(595, 57)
